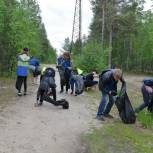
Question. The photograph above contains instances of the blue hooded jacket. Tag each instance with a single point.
(22, 67)
(34, 61)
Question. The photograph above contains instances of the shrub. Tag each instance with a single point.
(91, 58)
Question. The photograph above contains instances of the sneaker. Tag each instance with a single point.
(108, 116)
(25, 93)
(100, 117)
(19, 94)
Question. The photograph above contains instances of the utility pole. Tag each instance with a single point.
(76, 41)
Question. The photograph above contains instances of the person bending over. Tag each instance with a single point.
(47, 88)
(147, 92)
(89, 80)
(108, 88)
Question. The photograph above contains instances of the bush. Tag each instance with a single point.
(91, 58)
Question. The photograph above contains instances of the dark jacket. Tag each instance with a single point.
(109, 83)
(46, 83)
(89, 77)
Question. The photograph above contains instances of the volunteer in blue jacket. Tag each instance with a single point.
(67, 65)
(109, 88)
(22, 71)
(147, 92)
(35, 69)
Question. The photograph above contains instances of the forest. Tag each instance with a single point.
(21, 26)
(121, 35)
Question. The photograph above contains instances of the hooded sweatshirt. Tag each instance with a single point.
(22, 66)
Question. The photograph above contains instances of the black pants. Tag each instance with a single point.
(90, 83)
(43, 95)
(67, 78)
(65, 84)
(20, 80)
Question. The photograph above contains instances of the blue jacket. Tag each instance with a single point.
(66, 64)
(22, 66)
(60, 60)
(34, 61)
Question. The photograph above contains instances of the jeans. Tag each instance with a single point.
(103, 109)
(146, 99)
(72, 84)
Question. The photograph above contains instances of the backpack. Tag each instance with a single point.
(37, 71)
(124, 107)
(148, 82)
(79, 84)
(100, 84)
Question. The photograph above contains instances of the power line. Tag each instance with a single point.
(77, 27)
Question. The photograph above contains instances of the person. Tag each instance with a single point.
(60, 68)
(34, 66)
(77, 81)
(147, 92)
(22, 71)
(110, 79)
(89, 80)
(47, 88)
(72, 80)
(67, 66)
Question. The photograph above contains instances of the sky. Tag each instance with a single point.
(57, 15)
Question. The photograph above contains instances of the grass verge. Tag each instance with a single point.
(119, 138)
(116, 137)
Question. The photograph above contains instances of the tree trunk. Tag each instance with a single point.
(110, 48)
(103, 24)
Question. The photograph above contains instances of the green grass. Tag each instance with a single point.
(146, 119)
(116, 137)
(119, 138)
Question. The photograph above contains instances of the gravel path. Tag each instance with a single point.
(47, 129)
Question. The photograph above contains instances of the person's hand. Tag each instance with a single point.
(113, 93)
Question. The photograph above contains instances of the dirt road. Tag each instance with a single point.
(47, 129)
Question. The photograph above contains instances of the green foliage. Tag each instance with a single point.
(21, 26)
(67, 44)
(132, 32)
(92, 58)
(146, 118)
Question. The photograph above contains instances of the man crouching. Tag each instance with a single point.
(47, 88)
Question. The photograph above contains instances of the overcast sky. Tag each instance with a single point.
(57, 15)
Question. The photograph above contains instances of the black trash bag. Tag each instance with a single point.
(150, 106)
(37, 71)
(124, 107)
(64, 103)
